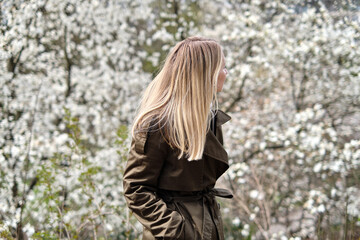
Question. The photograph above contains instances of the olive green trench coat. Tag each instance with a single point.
(175, 198)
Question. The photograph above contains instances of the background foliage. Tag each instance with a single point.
(71, 77)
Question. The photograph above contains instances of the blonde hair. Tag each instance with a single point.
(180, 96)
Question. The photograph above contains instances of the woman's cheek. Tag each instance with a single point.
(221, 80)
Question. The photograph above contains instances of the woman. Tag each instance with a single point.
(177, 151)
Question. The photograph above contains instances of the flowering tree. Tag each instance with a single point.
(81, 56)
(72, 74)
(293, 93)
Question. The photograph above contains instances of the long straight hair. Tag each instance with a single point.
(180, 96)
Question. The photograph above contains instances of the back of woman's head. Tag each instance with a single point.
(178, 99)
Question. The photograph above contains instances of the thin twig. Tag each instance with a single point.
(27, 158)
(62, 222)
(261, 203)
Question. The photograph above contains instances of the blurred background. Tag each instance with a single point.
(71, 76)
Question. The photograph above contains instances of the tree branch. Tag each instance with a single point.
(238, 96)
(68, 65)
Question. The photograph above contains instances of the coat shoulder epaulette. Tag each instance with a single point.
(140, 139)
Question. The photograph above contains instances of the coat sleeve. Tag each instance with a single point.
(146, 158)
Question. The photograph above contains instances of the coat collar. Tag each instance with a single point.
(222, 117)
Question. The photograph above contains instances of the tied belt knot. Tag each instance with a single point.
(208, 198)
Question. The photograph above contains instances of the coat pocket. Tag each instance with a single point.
(189, 230)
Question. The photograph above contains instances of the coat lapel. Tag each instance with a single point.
(213, 147)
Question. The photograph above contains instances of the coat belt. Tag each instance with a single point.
(207, 196)
(207, 193)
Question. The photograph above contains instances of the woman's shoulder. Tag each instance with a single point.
(152, 133)
(153, 127)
